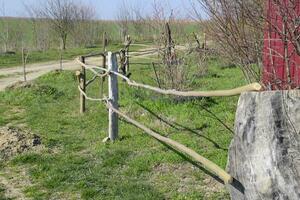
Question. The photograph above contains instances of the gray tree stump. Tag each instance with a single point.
(264, 156)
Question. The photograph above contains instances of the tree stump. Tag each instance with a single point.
(264, 156)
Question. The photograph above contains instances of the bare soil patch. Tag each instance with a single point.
(14, 141)
(21, 84)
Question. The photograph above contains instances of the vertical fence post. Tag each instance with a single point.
(24, 63)
(103, 78)
(128, 42)
(105, 41)
(113, 96)
(82, 86)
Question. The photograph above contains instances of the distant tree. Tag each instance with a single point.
(85, 33)
(4, 27)
(41, 28)
(124, 16)
(62, 16)
(138, 21)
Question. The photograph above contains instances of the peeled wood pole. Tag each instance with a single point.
(215, 93)
(113, 96)
(82, 86)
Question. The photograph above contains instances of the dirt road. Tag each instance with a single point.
(9, 76)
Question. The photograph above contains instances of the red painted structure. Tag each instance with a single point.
(275, 75)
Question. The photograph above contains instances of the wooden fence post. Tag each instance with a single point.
(113, 96)
(82, 86)
(103, 78)
(128, 43)
(24, 63)
(105, 41)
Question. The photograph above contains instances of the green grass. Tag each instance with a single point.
(76, 164)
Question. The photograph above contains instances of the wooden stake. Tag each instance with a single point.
(156, 75)
(113, 96)
(24, 64)
(204, 42)
(83, 87)
(103, 78)
(61, 56)
(128, 43)
(105, 41)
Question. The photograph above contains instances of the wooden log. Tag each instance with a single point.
(264, 156)
(113, 96)
(82, 81)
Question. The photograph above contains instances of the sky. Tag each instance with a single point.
(105, 9)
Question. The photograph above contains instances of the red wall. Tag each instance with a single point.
(274, 73)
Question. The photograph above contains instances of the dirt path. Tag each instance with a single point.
(10, 76)
(15, 74)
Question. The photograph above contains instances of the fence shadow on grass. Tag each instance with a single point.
(235, 183)
(180, 127)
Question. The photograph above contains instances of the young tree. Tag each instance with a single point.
(236, 27)
(256, 33)
(62, 16)
(138, 21)
(123, 20)
(85, 33)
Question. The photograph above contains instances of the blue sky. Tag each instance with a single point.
(105, 9)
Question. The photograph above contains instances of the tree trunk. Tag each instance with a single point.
(64, 41)
(264, 156)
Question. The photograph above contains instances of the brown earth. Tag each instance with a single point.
(14, 141)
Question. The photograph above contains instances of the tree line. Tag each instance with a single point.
(65, 24)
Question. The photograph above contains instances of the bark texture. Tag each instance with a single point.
(264, 156)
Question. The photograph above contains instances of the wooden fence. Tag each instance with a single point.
(110, 68)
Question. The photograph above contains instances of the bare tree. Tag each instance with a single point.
(4, 26)
(124, 17)
(244, 31)
(41, 28)
(138, 21)
(62, 15)
(237, 36)
(86, 30)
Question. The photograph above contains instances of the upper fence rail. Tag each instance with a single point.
(216, 93)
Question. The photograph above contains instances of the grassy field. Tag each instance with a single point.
(182, 33)
(76, 164)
